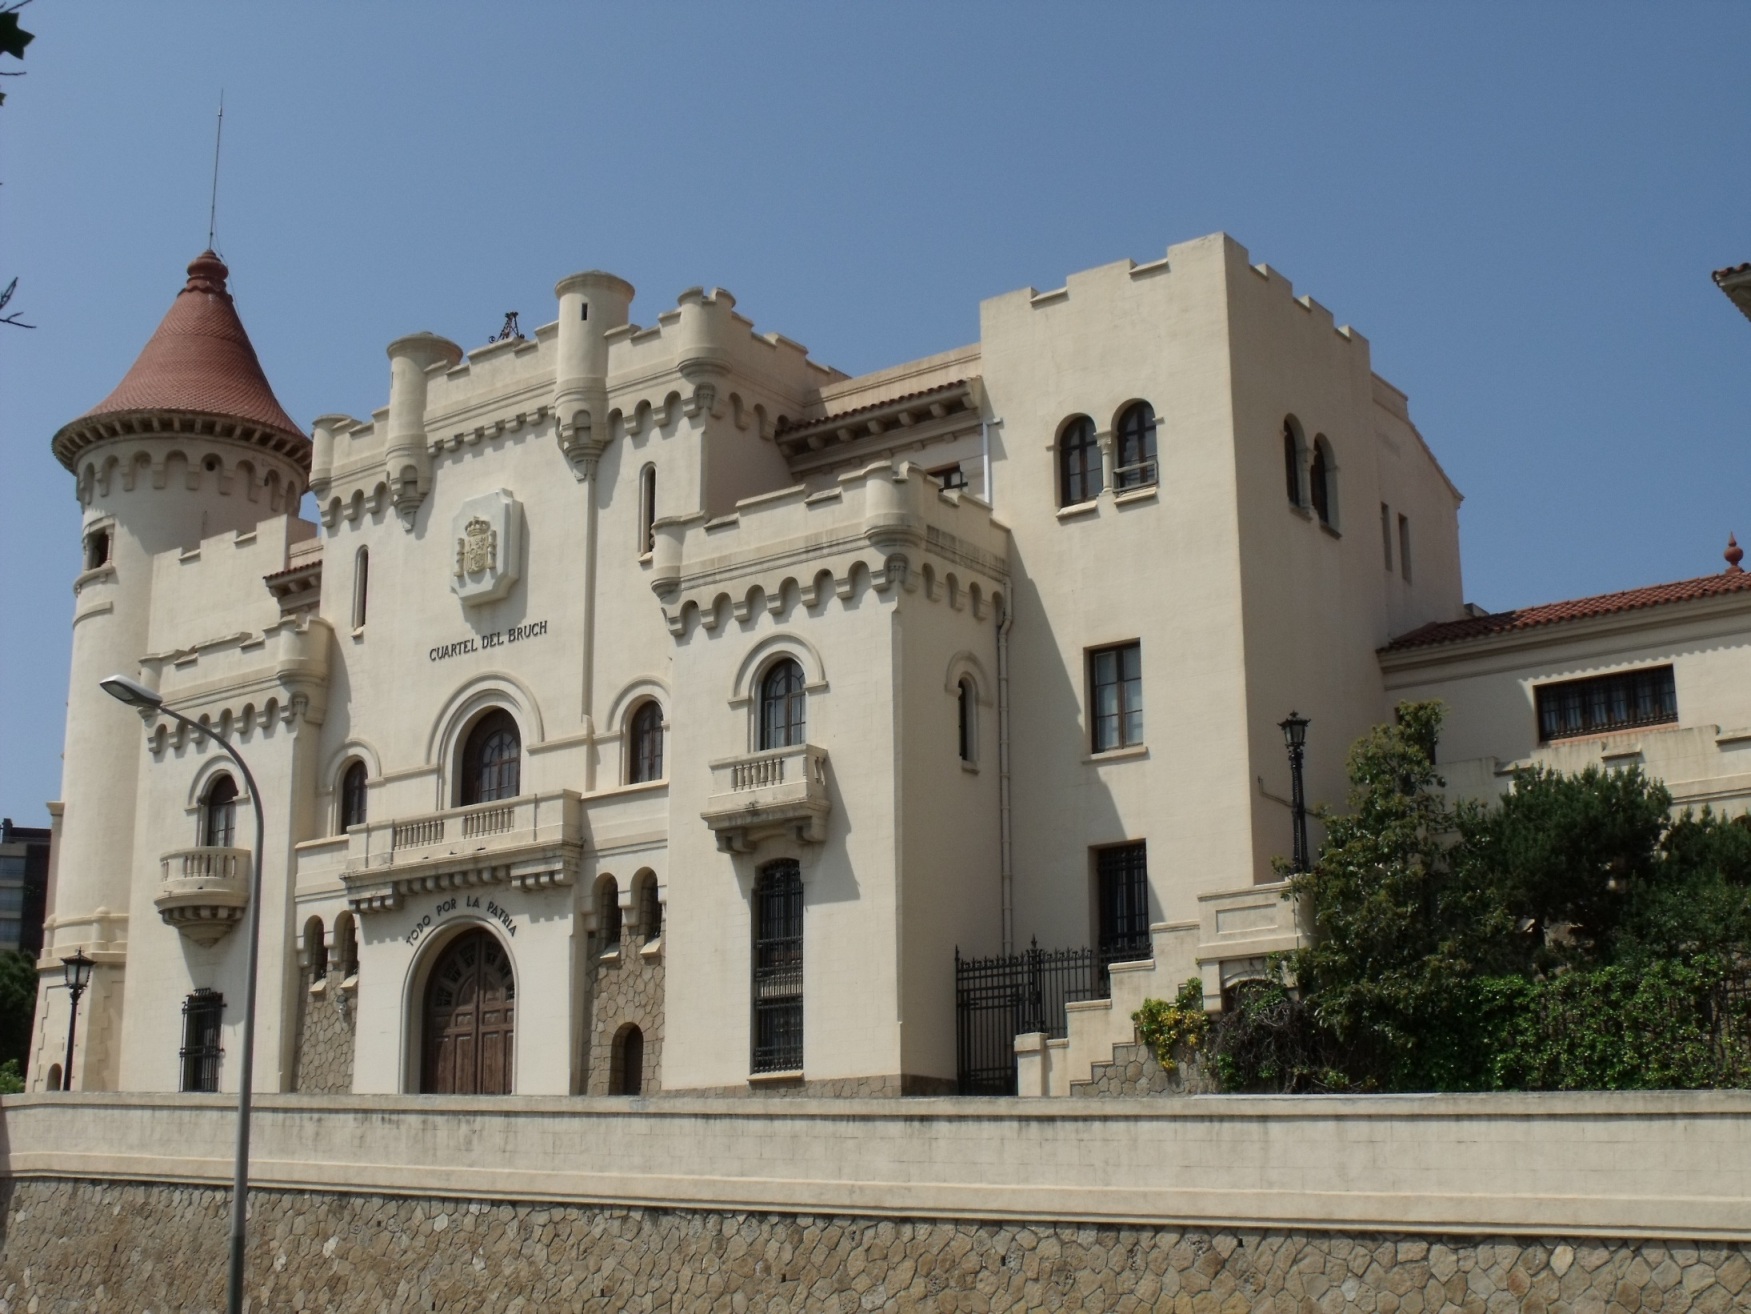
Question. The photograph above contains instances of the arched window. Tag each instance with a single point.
(54, 1082)
(783, 706)
(646, 744)
(650, 909)
(1292, 462)
(966, 704)
(316, 949)
(647, 509)
(345, 954)
(361, 586)
(1078, 462)
(492, 759)
(219, 813)
(352, 796)
(608, 917)
(1322, 481)
(1137, 468)
(626, 1071)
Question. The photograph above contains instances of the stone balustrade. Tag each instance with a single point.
(775, 791)
(533, 840)
(203, 891)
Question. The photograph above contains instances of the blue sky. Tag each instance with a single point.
(1519, 205)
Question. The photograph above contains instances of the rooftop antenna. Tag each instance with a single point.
(213, 208)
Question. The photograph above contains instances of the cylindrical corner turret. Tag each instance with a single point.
(322, 432)
(406, 459)
(192, 443)
(591, 304)
(703, 335)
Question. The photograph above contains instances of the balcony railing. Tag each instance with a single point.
(760, 795)
(203, 891)
(534, 840)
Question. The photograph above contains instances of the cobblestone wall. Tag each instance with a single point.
(1135, 1071)
(627, 990)
(87, 1246)
(325, 1040)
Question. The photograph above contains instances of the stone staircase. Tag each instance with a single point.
(1134, 1071)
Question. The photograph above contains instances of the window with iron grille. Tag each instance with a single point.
(1122, 879)
(1606, 702)
(1079, 473)
(201, 1014)
(1136, 441)
(778, 968)
(1115, 696)
(950, 476)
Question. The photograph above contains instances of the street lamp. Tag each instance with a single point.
(139, 697)
(1294, 730)
(77, 968)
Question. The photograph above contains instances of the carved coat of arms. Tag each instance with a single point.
(487, 532)
(478, 548)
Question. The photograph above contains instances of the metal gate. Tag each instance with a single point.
(1002, 997)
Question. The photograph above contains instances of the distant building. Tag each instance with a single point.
(24, 885)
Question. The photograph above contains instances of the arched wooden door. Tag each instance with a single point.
(470, 1019)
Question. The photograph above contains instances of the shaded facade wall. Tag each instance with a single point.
(72, 1244)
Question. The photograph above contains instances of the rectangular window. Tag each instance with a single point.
(950, 476)
(1404, 548)
(11, 899)
(1386, 535)
(778, 968)
(201, 1014)
(1606, 702)
(1122, 879)
(1115, 695)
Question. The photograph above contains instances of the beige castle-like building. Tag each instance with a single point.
(656, 709)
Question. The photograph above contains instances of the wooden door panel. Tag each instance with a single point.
(470, 1019)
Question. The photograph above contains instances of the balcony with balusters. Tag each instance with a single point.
(780, 791)
(533, 841)
(203, 891)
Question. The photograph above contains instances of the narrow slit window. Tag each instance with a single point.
(778, 968)
(647, 510)
(1404, 548)
(1386, 535)
(361, 587)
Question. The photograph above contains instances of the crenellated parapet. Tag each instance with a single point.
(890, 526)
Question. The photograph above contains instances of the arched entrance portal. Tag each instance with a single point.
(470, 1018)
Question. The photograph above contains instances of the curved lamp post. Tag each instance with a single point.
(77, 969)
(142, 699)
(1294, 730)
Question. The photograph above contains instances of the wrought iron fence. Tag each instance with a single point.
(1002, 997)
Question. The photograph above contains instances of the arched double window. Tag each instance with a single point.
(1079, 473)
(626, 1067)
(650, 906)
(783, 706)
(219, 813)
(609, 919)
(492, 759)
(1322, 483)
(352, 796)
(645, 744)
(316, 948)
(1136, 440)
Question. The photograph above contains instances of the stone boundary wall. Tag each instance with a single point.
(1616, 1165)
(79, 1245)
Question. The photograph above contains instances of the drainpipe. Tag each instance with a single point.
(985, 463)
(1005, 839)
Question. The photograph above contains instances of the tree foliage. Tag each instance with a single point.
(1573, 936)
(18, 987)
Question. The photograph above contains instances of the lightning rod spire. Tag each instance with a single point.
(213, 207)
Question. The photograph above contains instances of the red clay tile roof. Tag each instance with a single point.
(198, 367)
(787, 427)
(200, 359)
(1554, 613)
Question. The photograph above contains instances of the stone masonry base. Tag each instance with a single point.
(91, 1246)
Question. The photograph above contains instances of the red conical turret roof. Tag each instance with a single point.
(198, 365)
